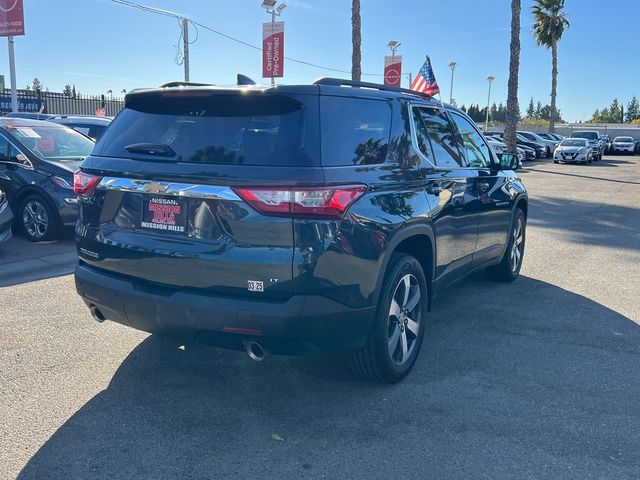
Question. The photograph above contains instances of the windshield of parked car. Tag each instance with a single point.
(574, 142)
(587, 135)
(623, 139)
(52, 142)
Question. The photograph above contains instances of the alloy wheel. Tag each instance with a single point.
(517, 245)
(404, 319)
(35, 219)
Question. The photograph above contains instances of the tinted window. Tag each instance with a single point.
(355, 131)
(475, 148)
(4, 146)
(422, 136)
(211, 128)
(443, 138)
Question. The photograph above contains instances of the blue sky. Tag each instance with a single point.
(99, 45)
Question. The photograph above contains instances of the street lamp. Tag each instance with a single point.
(490, 79)
(393, 45)
(452, 66)
(270, 7)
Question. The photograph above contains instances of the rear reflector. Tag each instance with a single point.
(84, 184)
(323, 202)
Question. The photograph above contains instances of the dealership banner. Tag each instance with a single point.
(11, 18)
(273, 49)
(392, 70)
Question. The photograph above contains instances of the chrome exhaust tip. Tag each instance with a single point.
(255, 351)
(97, 314)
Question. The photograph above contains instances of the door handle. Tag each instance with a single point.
(483, 186)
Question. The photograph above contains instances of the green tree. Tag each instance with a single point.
(549, 24)
(538, 112)
(633, 110)
(36, 84)
(67, 91)
(531, 109)
(356, 40)
(513, 109)
(615, 112)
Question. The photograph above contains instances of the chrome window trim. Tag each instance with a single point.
(191, 190)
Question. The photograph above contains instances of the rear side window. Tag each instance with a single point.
(475, 148)
(227, 128)
(355, 131)
(443, 138)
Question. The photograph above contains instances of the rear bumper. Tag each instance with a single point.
(301, 325)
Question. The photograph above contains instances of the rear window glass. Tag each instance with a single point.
(247, 129)
(355, 131)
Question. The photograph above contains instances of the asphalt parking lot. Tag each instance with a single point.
(535, 379)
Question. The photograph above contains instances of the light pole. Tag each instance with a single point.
(393, 45)
(270, 7)
(490, 79)
(452, 66)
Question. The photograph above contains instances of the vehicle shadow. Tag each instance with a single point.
(520, 380)
(22, 261)
(590, 223)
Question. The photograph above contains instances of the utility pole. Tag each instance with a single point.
(490, 79)
(185, 36)
(12, 73)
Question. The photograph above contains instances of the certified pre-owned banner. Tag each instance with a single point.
(273, 49)
(392, 70)
(11, 18)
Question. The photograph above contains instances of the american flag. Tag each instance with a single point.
(425, 81)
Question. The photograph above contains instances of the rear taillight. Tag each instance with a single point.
(303, 202)
(84, 184)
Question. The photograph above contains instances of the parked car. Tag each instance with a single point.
(292, 219)
(608, 144)
(552, 136)
(623, 145)
(6, 218)
(37, 161)
(575, 150)
(500, 147)
(28, 115)
(532, 150)
(91, 126)
(550, 145)
(595, 143)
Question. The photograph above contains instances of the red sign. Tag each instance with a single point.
(393, 70)
(11, 18)
(273, 49)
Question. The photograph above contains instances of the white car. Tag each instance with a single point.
(573, 150)
(623, 145)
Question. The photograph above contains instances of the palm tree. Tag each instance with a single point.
(549, 23)
(356, 39)
(513, 110)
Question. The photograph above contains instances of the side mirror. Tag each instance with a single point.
(509, 161)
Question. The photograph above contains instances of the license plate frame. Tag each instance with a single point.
(164, 214)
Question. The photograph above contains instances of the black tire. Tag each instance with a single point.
(505, 271)
(555, 161)
(375, 361)
(37, 220)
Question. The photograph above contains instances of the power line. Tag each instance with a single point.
(234, 39)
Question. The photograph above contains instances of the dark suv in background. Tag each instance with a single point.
(293, 219)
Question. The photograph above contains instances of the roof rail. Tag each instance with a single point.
(339, 82)
(184, 84)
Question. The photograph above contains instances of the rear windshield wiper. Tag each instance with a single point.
(155, 149)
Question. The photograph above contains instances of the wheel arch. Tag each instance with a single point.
(417, 241)
(27, 190)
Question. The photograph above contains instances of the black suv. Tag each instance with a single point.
(293, 219)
